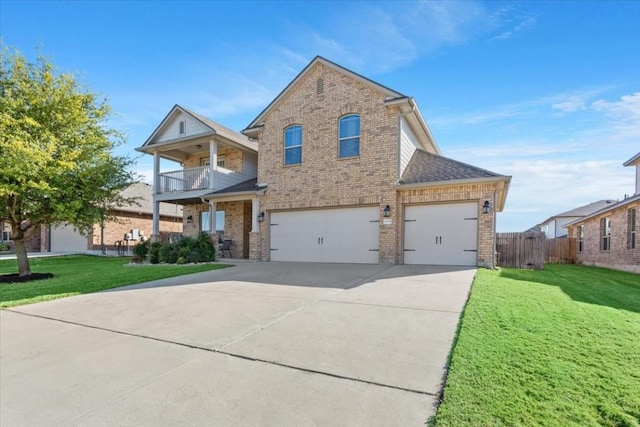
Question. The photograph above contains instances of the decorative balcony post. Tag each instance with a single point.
(155, 234)
(156, 173)
(213, 164)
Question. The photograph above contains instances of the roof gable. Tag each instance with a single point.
(194, 125)
(390, 93)
(635, 160)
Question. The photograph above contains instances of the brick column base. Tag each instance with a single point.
(255, 249)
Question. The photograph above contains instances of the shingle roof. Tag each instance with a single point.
(223, 130)
(586, 209)
(428, 167)
(143, 193)
(249, 185)
(608, 208)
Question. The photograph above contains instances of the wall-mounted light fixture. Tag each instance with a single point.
(189, 219)
(486, 208)
(387, 211)
(261, 217)
(198, 146)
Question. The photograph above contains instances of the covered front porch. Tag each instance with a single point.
(232, 214)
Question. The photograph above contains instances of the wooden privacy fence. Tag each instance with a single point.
(521, 250)
(560, 251)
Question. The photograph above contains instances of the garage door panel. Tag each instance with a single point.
(444, 234)
(348, 235)
(66, 239)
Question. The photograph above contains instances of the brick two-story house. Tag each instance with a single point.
(609, 237)
(337, 168)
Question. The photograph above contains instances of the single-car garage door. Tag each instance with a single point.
(445, 234)
(66, 239)
(348, 235)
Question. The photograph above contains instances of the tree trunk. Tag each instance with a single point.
(21, 255)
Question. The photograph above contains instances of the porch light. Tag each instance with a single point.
(486, 208)
(261, 217)
(189, 219)
(387, 211)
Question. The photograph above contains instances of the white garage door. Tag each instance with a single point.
(66, 239)
(441, 234)
(326, 235)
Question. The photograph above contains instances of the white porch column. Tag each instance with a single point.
(213, 164)
(156, 173)
(156, 219)
(212, 220)
(255, 211)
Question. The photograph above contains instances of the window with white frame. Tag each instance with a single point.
(293, 145)
(220, 163)
(204, 221)
(349, 136)
(631, 227)
(580, 232)
(605, 233)
(182, 127)
(5, 232)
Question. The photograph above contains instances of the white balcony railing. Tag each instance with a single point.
(191, 179)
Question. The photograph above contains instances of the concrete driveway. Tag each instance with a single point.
(264, 344)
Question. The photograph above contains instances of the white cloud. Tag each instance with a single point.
(571, 105)
(521, 26)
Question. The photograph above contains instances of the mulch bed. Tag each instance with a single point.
(15, 278)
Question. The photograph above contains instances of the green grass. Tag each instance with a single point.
(81, 274)
(558, 347)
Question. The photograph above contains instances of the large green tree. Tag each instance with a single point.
(56, 152)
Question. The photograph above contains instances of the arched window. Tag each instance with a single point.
(182, 127)
(293, 145)
(349, 136)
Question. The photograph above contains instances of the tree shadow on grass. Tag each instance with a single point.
(592, 285)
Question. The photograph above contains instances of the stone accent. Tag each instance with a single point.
(619, 256)
(254, 243)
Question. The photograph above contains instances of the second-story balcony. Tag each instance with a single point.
(200, 178)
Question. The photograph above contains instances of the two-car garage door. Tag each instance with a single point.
(441, 234)
(348, 235)
(438, 234)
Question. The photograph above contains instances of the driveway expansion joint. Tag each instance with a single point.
(230, 354)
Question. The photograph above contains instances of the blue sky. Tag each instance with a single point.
(548, 92)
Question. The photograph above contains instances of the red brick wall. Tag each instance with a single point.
(619, 256)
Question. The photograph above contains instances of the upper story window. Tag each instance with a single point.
(605, 232)
(293, 145)
(349, 136)
(631, 227)
(580, 231)
(182, 127)
(220, 163)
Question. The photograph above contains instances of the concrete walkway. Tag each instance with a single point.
(269, 344)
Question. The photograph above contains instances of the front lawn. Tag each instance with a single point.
(557, 347)
(81, 274)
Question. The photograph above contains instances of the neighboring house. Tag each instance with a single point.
(609, 237)
(134, 217)
(347, 171)
(554, 226)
